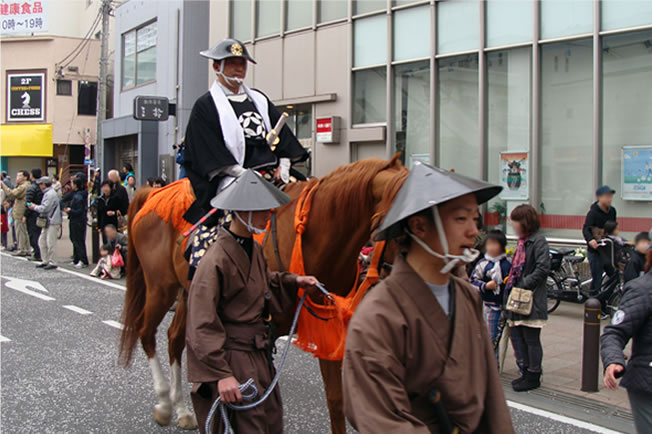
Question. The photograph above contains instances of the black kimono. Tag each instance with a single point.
(206, 152)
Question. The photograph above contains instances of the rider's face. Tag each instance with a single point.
(233, 67)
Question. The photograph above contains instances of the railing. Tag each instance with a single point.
(571, 242)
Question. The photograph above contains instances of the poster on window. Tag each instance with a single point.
(636, 179)
(25, 97)
(514, 175)
(24, 16)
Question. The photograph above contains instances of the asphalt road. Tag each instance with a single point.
(59, 370)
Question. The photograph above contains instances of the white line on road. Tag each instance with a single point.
(115, 324)
(94, 279)
(79, 310)
(560, 418)
(19, 288)
(4, 339)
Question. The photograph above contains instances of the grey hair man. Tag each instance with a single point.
(49, 220)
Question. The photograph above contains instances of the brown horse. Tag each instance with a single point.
(347, 206)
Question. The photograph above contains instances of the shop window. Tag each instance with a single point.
(626, 90)
(241, 19)
(412, 112)
(412, 33)
(331, 10)
(369, 96)
(298, 14)
(457, 109)
(268, 17)
(87, 98)
(458, 26)
(617, 14)
(566, 139)
(64, 87)
(370, 41)
(366, 6)
(509, 21)
(566, 18)
(139, 56)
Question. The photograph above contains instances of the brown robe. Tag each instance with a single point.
(226, 335)
(399, 349)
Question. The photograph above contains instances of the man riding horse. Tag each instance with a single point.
(232, 128)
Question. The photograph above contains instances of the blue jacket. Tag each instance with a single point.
(480, 278)
(78, 201)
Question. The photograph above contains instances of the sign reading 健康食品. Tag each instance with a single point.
(23, 17)
(636, 176)
(25, 96)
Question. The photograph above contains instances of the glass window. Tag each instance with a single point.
(87, 98)
(565, 18)
(370, 41)
(626, 90)
(458, 25)
(331, 10)
(412, 111)
(402, 2)
(566, 128)
(369, 96)
(268, 17)
(241, 19)
(508, 105)
(617, 14)
(412, 33)
(509, 22)
(364, 6)
(64, 87)
(457, 109)
(299, 14)
(139, 56)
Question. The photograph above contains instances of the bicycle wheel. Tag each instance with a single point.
(554, 290)
(614, 301)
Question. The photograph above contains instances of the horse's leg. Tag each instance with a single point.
(176, 343)
(155, 309)
(331, 373)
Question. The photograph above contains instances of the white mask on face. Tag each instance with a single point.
(250, 227)
(451, 261)
(232, 81)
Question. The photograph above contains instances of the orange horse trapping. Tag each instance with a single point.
(344, 210)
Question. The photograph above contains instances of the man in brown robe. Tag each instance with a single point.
(422, 328)
(232, 293)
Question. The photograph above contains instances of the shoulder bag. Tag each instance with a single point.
(520, 301)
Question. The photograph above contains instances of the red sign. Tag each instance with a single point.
(324, 125)
(328, 129)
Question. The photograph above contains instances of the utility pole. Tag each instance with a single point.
(101, 83)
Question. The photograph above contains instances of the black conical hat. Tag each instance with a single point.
(227, 48)
(249, 192)
(427, 186)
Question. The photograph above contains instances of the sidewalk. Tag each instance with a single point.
(562, 358)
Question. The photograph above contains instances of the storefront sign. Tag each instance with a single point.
(636, 177)
(514, 175)
(151, 108)
(26, 97)
(24, 16)
(33, 140)
(328, 129)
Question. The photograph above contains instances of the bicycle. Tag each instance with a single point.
(565, 282)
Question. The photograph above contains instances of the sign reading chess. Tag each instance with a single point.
(25, 97)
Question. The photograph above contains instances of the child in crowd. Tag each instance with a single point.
(636, 265)
(104, 269)
(612, 231)
(489, 276)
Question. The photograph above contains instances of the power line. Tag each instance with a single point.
(84, 41)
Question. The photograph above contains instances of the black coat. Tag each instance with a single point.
(77, 201)
(105, 204)
(632, 321)
(122, 198)
(634, 267)
(596, 218)
(534, 276)
(33, 195)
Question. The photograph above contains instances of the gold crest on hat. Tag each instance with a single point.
(236, 49)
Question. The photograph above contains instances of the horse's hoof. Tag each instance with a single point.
(161, 417)
(188, 421)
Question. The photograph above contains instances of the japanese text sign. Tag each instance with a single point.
(24, 16)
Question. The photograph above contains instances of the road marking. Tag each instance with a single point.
(94, 279)
(79, 310)
(21, 286)
(115, 324)
(4, 339)
(560, 418)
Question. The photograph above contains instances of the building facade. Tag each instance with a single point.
(157, 48)
(551, 97)
(50, 65)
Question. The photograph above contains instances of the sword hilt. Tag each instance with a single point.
(272, 136)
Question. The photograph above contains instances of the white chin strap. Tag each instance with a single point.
(250, 227)
(233, 81)
(451, 261)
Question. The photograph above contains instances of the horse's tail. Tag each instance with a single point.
(132, 312)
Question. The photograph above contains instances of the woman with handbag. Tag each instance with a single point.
(108, 208)
(526, 306)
